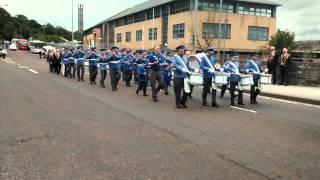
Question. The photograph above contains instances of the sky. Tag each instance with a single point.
(301, 17)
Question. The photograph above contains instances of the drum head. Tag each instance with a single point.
(194, 62)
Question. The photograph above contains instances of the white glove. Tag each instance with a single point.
(185, 70)
(221, 70)
(247, 70)
(266, 70)
(211, 70)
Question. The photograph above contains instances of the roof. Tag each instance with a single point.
(154, 3)
(269, 2)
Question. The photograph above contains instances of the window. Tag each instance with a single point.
(139, 17)
(211, 30)
(178, 31)
(153, 34)
(139, 35)
(156, 13)
(255, 11)
(128, 36)
(209, 5)
(119, 22)
(258, 33)
(128, 20)
(119, 37)
(180, 6)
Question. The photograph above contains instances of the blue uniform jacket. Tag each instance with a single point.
(205, 67)
(114, 62)
(103, 62)
(141, 71)
(153, 57)
(80, 55)
(93, 59)
(128, 62)
(64, 58)
(179, 64)
(228, 67)
(255, 68)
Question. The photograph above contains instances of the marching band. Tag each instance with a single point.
(159, 69)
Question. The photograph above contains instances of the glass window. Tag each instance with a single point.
(211, 30)
(139, 35)
(153, 34)
(179, 7)
(139, 17)
(258, 33)
(119, 37)
(128, 36)
(128, 20)
(178, 31)
(269, 13)
(156, 13)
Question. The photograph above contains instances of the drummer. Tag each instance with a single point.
(254, 66)
(207, 66)
(232, 68)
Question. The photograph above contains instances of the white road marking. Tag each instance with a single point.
(33, 71)
(290, 102)
(242, 109)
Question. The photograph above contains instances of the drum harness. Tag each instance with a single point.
(256, 72)
(214, 86)
(186, 80)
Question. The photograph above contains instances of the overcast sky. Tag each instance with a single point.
(299, 16)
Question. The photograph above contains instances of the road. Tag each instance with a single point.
(53, 127)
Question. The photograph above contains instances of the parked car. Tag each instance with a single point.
(13, 47)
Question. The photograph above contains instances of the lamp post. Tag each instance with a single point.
(219, 30)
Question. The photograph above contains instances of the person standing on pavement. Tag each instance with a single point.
(103, 67)
(114, 61)
(56, 62)
(232, 68)
(207, 66)
(128, 67)
(284, 67)
(254, 66)
(272, 63)
(181, 71)
(80, 55)
(155, 59)
(50, 61)
(71, 64)
(93, 69)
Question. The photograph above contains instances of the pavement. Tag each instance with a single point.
(53, 127)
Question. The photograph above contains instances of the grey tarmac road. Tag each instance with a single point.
(57, 128)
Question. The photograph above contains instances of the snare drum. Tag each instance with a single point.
(246, 80)
(196, 79)
(266, 79)
(221, 78)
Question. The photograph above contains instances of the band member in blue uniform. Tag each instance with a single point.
(128, 67)
(207, 66)
(254, 66)
(114, 66)
(154, 62)
(181, 71)
(232, 67)
(71, 64)
(166, 73)
(135, 67)
(123, 53)
(65, 61)
(80, 55)
(103, 66)
(93, 70)
(142, 75)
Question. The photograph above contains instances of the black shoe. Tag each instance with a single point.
(241, 104)
(214, 105)
(205, 104)
(190, 97)
(137, 91)
(94, 82)
(91, 82)
(78, 79)
(166, 93)
(155, 99)
(82, 79)
(184, 106)
(145, 95)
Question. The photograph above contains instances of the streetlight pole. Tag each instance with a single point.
(72, 18)
(219, 31)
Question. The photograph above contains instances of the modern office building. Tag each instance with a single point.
(245, 25)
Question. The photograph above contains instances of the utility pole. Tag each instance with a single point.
(219, 31)
(72, 19)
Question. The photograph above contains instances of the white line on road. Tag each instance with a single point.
(33, 71)
(242, 109)
(289, 102)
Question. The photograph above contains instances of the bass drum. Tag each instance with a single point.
(196, 79)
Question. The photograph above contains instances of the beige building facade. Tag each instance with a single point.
(244, 26)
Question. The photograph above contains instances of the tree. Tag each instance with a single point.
(283, 39)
